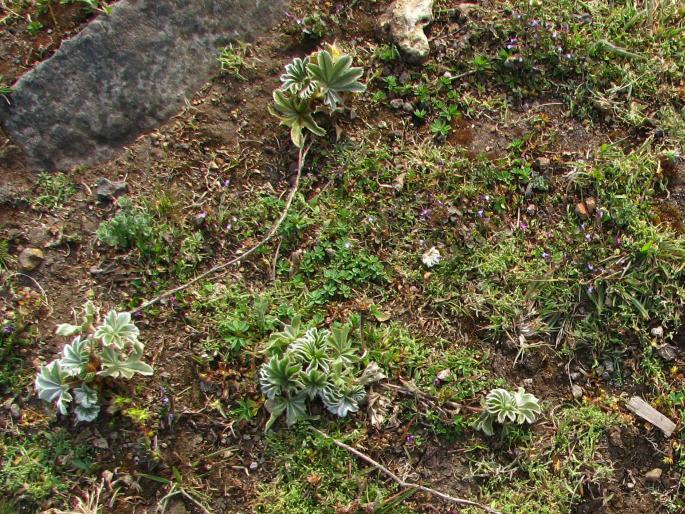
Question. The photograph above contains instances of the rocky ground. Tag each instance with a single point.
(537, 149)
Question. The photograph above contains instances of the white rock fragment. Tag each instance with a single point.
(405, 22)
(431, 257)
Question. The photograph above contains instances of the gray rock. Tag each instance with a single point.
(30, 259)
(106, 190)
(668, 352)
(577, 391)
(404, 23)
(397, 103)
(124, 75)
(542, 164)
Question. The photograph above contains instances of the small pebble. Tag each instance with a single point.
(30, 259)
(657, 332)
(253, 466)
(577, 391)
(654, 475)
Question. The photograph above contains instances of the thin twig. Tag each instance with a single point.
(267, 238)
(399, 481)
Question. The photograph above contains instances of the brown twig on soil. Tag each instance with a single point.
(269, 236)
(410, 389)
(399, 481)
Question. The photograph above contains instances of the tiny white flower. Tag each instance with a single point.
(431, 257)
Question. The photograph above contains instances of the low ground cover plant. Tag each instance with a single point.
(100, 349)
(306, 365)
(322, 78)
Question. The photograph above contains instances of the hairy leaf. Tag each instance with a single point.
(294, 408)
(51, 384)
(75, 357)
(113, 366)
(295, 113)
(343, 399)
(117, 329)
(280, 377)
(297, 80)
(335, 75)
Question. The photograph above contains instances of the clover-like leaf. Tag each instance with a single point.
(52, 385)
(117, 329)
(335, 75)
(295, 113)
(280, 376)
(113, 366)
(75, 357)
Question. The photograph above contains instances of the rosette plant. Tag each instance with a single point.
(321, 78)
(100, 348)
(504, 407)
(307, 365)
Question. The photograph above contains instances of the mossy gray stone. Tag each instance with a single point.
(123, 75)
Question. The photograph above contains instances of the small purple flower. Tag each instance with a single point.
(437, 382)
(590, 289)
(588, 237)
(227, 182)
(486, 198)
(523, 226)
(8, 329)
(544, 255)
(618, 240)
(535, 23)
(410, 439)
(590, 267)
(481, 213)
(201, 215)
